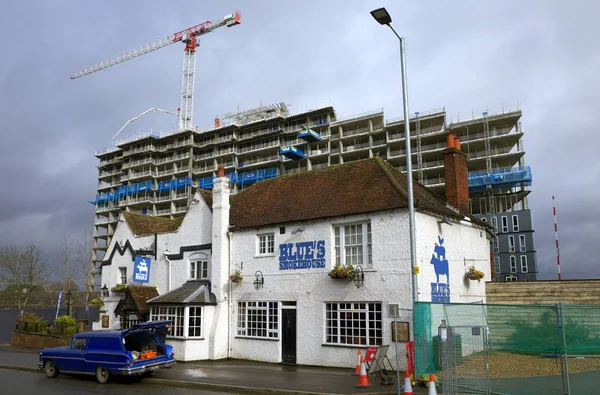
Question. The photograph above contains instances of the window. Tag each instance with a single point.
(513, 264)
(496, 245)
(495, 224)
(522, 244)
(515, 220)
(198, 270)
(258, 319)
(79, 344)
(195, 321)
(497, 265)
(524, 268)
(511, 278)
(504, 224)
(353, 245)
(266, 244)
(354, 323)
(172, 313)
(511, 243)
(122, 275)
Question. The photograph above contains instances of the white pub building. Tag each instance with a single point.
(301, 268)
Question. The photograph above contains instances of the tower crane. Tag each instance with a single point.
(189, 38)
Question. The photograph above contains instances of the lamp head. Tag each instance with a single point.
(382, 16)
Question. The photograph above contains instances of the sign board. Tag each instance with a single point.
(141, 269)
(403, 331)
(370, 355)
(302, 255)
(378, 359)
(104, 321)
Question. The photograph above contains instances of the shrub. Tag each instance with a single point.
(65, 325)
(31, 322)
(342, 272)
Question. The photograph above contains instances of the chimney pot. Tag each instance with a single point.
(221, 171)
(457, 143)
(450, 140)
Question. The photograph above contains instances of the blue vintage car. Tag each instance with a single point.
(139, 350)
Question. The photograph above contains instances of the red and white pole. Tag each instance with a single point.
(556, 233)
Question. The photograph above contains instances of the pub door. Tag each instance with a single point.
(288, 340)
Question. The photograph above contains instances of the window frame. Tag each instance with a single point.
(496, 244)
(122, 275)
(371, 323)
(265, 313)
(269, 250)
(171, 313)
(511, 243)
(522, 243)
(504, 224)
(524, 265)
(513, 264)
(197, 324)
(497, 265)
(193, 269)
(515, 223)
(366, 244)
(495, 224)
(511, 278)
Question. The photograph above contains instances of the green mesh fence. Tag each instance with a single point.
(540, 331)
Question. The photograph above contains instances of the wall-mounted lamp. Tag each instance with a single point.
(359, 276)
(105, 292)
(259, 282)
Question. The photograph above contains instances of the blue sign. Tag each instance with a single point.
(302, 255)
(141, 269)
(440, 292)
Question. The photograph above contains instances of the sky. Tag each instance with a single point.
(467, 56)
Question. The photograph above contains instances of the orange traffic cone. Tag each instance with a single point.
(358, 358)
(407, 385)
(432, 390)
(363, 380)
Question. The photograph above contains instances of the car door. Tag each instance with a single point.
(75, 362)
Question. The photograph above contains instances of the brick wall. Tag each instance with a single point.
(544, 292)
(34, 340)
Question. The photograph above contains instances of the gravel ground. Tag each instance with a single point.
(506, 365)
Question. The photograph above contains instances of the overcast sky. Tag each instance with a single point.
(467, 56)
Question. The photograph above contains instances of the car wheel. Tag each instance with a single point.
(50, 369)
(102, 374)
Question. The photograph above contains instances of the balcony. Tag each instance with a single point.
(321, 151)
(163, 198)
(181, 156)
(180, 209)
(182, 168)
(258, 147)
(164, 172)
(356, 147)
(354, 132)
(182, 195)
(257, 160)
(164, 160)
(139, 174)
(138, 150)
(163, 211)
(295, 170)
(141, 199)
(204, 143)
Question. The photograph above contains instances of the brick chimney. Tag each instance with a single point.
(456, 173)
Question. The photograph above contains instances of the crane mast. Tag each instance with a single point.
(189, 38)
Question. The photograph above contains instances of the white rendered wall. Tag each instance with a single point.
(389, 281)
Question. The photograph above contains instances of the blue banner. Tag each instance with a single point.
(141, 269)
(58, 304)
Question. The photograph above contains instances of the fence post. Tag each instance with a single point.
(565, 362)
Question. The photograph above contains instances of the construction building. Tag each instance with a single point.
(157, 175)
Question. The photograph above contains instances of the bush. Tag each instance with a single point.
(65, 325)
(31, 322)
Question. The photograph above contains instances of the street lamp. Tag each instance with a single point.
(383, 17)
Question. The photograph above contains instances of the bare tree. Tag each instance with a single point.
(23, 270)
(78, 270)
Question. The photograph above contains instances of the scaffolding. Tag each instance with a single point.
(419, 150)
(488, 162)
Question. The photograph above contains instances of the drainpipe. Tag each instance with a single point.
(170, 264)
(229, 312)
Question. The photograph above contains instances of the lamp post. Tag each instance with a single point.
(383, 17)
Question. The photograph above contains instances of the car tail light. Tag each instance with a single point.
(172, 354)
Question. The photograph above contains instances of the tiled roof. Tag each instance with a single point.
(191, 292)
(207, 196)
(355, 187)
(146, 225)
(140, 294)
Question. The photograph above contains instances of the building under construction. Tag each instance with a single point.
(156, 175)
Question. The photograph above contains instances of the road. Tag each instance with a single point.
(29, 383)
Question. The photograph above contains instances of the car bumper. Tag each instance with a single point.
(41, 365)
(146, 368)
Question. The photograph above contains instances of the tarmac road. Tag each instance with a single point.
(29, 383)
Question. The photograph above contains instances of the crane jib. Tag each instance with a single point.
(195, 30)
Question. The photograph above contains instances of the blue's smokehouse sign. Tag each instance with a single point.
(302, 255)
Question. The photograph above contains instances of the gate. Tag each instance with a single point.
(459, 341)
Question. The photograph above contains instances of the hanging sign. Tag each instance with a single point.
(141, 269)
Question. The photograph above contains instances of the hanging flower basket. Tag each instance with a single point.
(236, 277)
(119, 288)
(474, 274)
(339, 271)
(97, 302)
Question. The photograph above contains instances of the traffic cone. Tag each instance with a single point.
(407, 385)
(358, 358)
(432, 390)
(363, 380)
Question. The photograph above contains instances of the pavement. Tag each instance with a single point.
(236, 376)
